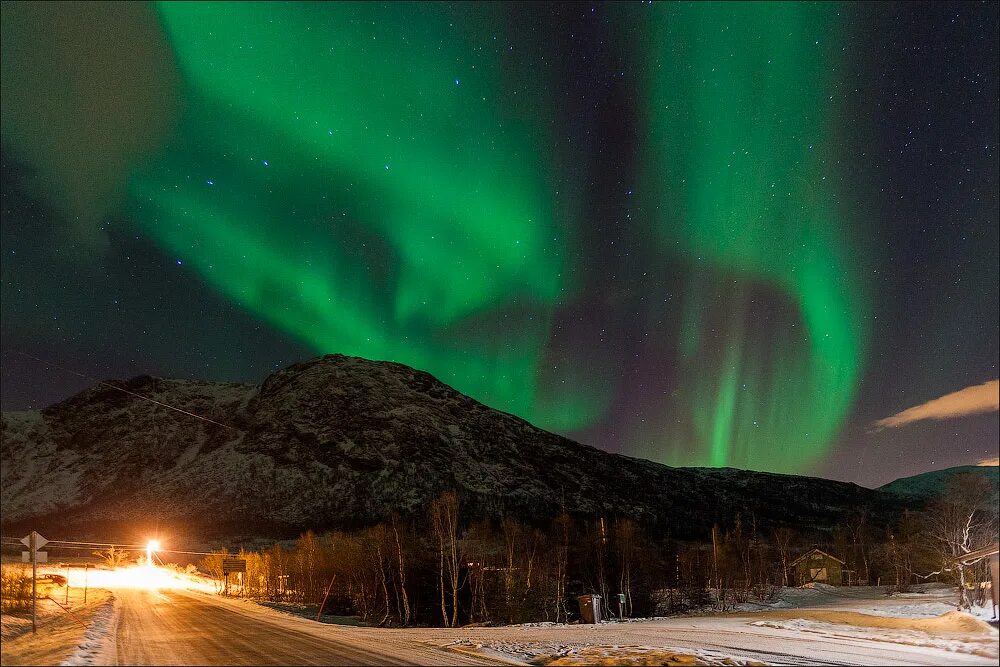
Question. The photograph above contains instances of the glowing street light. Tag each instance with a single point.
(151, 546)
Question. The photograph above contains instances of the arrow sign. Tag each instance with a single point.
(39, 540)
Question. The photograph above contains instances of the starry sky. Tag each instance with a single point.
(713, 234)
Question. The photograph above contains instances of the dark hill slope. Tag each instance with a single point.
(342, 441)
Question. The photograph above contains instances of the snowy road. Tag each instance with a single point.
(175, 627)
(184, 627)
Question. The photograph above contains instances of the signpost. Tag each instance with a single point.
(232, 565)
(34, 542)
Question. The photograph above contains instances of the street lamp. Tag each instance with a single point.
(151, 546)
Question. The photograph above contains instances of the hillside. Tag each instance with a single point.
(342, 441)
(935, 482)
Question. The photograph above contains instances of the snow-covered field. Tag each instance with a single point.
(821, 625)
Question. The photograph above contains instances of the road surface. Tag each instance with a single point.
(183, 627)
(175, 627)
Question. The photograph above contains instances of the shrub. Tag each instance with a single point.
(15, 588)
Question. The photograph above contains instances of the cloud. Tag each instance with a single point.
(989, 462)
(972, 400)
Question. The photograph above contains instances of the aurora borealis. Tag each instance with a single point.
(725, 234)
(741, 168)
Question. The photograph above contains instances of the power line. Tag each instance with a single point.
(122, 389)
(87, 546)
(99, 544)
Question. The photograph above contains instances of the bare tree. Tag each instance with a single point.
(306, 561)
(212, 564)
(561, 525)
(113, 557)
(377, 539)
(858, 525)
(626, 538)
(401, 563)
(962, 520)
(444, 519)
(783, 538)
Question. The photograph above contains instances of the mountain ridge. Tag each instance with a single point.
(934, 482)
(339, 441)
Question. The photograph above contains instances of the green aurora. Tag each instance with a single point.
(376, 192)
(743, 177)
(421, 207)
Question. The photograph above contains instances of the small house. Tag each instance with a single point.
(819, 567)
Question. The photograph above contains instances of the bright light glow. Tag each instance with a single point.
(142, 577)
(151, 546)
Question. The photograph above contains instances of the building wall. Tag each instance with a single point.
(812, 570)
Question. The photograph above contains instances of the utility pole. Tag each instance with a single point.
(327, 595)
(86, 571)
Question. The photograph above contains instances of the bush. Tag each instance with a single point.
(15, 588)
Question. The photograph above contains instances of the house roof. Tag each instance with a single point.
(815, 551)
(979, 553)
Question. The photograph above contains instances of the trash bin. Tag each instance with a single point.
(590, 608)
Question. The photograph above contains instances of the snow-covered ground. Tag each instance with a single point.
(821, 624)
(146, 624)
(67, 634)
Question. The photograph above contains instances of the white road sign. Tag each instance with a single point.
(39, 540)
(40, 557)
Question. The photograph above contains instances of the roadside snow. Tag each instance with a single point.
(953, 631)
(99, 638)
(555, 653)
(983, 613)
(920, 610)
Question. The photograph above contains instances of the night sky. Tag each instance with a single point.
(704, 234)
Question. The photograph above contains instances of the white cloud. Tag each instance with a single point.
(972, 400)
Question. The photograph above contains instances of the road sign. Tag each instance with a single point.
(33, 541)
(234, 565)
(39, 540)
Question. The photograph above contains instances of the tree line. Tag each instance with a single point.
(440, 569)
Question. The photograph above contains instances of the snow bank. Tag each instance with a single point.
(98, 640)
(950, 622)
(954, 631)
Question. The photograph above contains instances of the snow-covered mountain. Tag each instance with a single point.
(343, 441)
